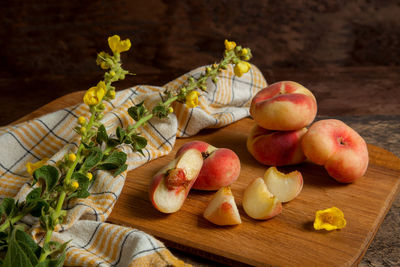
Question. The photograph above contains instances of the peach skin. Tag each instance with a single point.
(221, 166)
(276, 148)
(284, 106)
(338, 147)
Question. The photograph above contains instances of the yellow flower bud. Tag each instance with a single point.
(112, 73)
(111, 94)
(241, 68)
(244, 51)
(208, 70)
(74, 185)
(192, 99)
(104, 65)
(170, 110)
(83, 130)
(229, 45)
(81, 120)
(118, 46)
(71, 157)
(89, 175)
(31, 167)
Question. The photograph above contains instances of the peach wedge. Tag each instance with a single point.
(284, 186)
(222, 209)
(258, 202)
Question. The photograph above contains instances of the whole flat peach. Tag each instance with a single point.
(284, 106)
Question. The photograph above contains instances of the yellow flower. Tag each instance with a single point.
(74, 185)
(241, 68)
(31, 167)
(192, 99)
(229, 45)
(329, 219)
(112, 73)
(83, 130)
(81, 120)
(89, 175)
(170, 110)
(95, 94)
(71, 157)
(244, 51)
(118, 46)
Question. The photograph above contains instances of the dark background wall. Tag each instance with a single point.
(48, 48)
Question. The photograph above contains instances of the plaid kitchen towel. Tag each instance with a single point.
(94, 242)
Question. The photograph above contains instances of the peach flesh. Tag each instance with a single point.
(169, 187)
(222, 209)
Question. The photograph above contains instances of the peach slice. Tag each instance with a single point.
(258, 202)
(284, 186)
(338, 147)
(221, 166)
(222, 209)
(170, 186)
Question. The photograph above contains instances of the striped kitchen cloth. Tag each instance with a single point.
(94, 242)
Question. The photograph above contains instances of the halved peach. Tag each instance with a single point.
(170, 186)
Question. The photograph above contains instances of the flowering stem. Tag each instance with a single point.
(13, 220)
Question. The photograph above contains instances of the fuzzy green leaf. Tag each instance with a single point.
(137, 111)
(121, 133)
(113, 161)
(121, 169)
(16, 255)
(93, 159)
(8, 207)
(138, 142)
(48, 174)
(102, 134)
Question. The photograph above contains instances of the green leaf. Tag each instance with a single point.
(8, 207)
(82, 180)
(29, 245)
(114, 161)
(138, 142)
(48, 174)
(120, 169)
(121, 133)
(112, 142)
(16, 255)
(137, 111)
(102, 134)
(93, 159)
(34, 194)
(38, 206)
(160, 111)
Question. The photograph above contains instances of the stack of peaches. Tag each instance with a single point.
(282, 112)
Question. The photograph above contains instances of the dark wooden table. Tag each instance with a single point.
(367, 98)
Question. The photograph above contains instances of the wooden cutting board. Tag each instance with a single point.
(285, 240)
